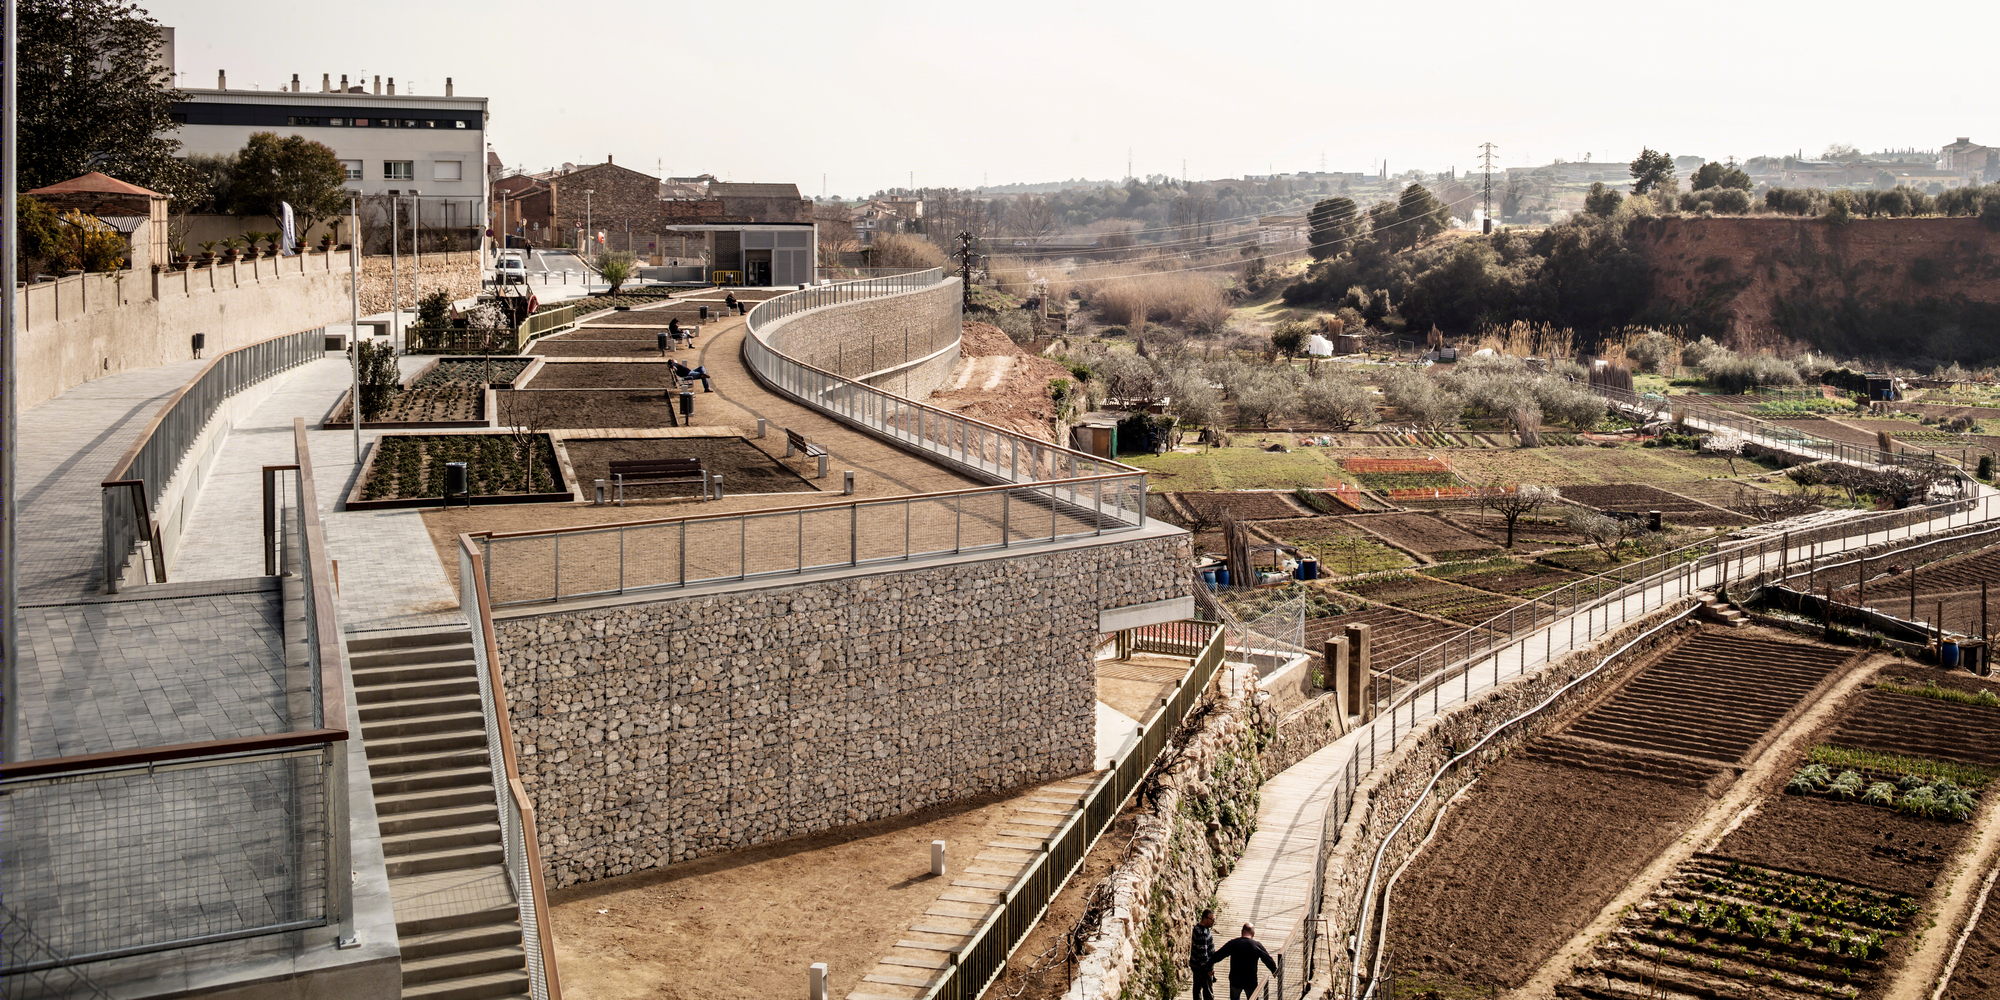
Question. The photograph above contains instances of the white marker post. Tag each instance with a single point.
(816, 981)
(937, 857)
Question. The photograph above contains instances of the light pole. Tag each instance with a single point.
(354, 336)
(589, 233)
(10, 380)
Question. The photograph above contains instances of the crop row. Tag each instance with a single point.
(496, 371)
(411, 467)
(1806, 894)
(1395, 465)
(1938, 799)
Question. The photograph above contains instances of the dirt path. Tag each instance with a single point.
(1926, 962)
(1720, 818)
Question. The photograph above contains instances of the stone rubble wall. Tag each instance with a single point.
(1188, 838)
(457, 272)
(675, 729)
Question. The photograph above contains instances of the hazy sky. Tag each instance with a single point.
(867, 94)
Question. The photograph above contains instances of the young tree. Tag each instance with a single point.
(617, 269)
(273, 169)
(1602, 201)
(1728, 444)
(1514, 502)
(1333, 224)
(1650, 170)
(1337, 402)
(1267, 395)
(93, 98)
(1288, 338)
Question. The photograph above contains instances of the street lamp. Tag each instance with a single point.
(588, 234)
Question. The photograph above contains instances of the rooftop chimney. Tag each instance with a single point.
(607, 157)
(392, 86)
(295, 83)
(325, 82)
(447, 86)
(221, 79)
(378, 84)
(343, 83)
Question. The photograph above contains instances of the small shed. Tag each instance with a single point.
(1096, 434)
(135, 211)
(1349, 343)
(1881, 388)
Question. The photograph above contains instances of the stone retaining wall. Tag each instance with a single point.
(457, 273)
(872, 335)
(661, 732)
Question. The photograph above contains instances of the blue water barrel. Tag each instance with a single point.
(1948, 655)
(1308, 570)
(1208, 578)
(1222, 576)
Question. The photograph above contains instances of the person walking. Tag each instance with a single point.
(1243, 954)
(1201, 957)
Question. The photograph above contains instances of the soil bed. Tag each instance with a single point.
(1923, 727)
(1342, 547)
(566, 348)
(1638, 498)
(1433, 536)
(1245, 506)
(1505, 576)
(1523, 863)
(743, 467)
(1434, 597)
(604, 375)
(1888, 850)
(581, 408)
(1394, 635)
(412, 467)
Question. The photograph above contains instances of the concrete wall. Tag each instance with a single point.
(660, 732)
(91, 325)
(877, 337)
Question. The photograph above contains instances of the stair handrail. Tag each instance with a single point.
(518, 836)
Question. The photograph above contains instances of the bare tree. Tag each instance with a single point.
(528, 414)
(1512, 503)
(1767, 507)
(1032, 219)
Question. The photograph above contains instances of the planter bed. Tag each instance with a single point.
(596, 408)
(447, 393)
(407, 470)
(654, 375)
(744, 468)
(1244, 505)
(1505, 576)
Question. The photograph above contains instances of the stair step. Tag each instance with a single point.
(462, 939)
(396, 804)
(422, 820)
(480, 987)
(425, 725)
(460, 965)
(498, 911)
(403, 707)
(445, 860)
(429, 772)
(410, 654)
(422, 745)
(417, 688)
(376, 641)
(447, 838)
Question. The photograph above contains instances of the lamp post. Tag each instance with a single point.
(354, 336)
(10, 380)
(589, 233)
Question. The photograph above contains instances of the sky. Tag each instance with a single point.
(853, 97)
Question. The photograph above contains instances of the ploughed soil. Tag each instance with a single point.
(1922, 727)
(998, 382)
(579, 408)
(1135, 686)
(1978, 973)
(744, 468)
(1874, 846)
(564, 347)
(1529, 857)
(743, 926)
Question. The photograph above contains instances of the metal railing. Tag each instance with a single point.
(977, 963)
(141, 476)
(518, 837)
(133, 852)
(1046, 494)
(1760, 431)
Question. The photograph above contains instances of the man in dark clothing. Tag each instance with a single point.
(1243, 954)
(685, 372)
(1201, 958)
(674, 331)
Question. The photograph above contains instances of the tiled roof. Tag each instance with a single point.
(96, 183)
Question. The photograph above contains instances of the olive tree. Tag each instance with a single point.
(1337, 402)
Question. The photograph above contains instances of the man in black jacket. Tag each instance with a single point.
(1201, 958)
(1243, 954)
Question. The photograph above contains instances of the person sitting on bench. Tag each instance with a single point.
(701, 373)
(674, 334)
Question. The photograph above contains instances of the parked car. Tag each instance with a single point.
(510, 271)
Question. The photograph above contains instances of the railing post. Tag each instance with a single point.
(339, 862)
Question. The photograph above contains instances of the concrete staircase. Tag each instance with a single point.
(1721, 612)
(425, 733)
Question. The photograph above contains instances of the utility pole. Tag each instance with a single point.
(965, 256)
(1486, 157)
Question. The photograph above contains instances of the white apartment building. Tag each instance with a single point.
(391, 144)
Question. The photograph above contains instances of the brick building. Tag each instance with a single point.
(634, 210)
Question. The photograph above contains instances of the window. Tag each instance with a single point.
(361, 122)
(409, 123)
(431, 123)
(399, 170)
(305, 121)
(336, 121)
(353, 168)
(460, 123)
(449, 170)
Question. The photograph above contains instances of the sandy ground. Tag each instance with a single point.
(1134, 687)
(746, 925)
(999, 383)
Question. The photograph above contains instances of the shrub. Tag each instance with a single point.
(898, 250)
(1650, 352)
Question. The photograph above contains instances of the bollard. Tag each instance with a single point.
(687, 405)
(600, 493)
(718, 486)
(816, 981)
(822, 467)
(847, 483)
(760, 427)
(937, 857)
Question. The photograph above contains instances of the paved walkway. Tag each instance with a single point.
(1271, 886)
(65, 449)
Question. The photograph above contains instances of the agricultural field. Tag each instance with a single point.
(1394, 635)
(1208, 508)
(1715, 696)
(1532, 532)
(1342, 548)
(1954, 581)
(1832, 430)
(1505, 576)
(1431, 535)
(1921, 721)
(1433, 597)
(1592, 464)
(1639, 498)
(1733, 494)
(1240, 467)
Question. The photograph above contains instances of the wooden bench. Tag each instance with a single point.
(796, 442)
(655, 472)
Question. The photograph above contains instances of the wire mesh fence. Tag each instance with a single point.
(140, 859)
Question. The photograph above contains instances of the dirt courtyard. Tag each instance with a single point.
(744, 926)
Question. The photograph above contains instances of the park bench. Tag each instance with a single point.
(656, 472)
(796, 442)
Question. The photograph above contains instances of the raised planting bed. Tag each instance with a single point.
(448, 392)
(1505, 576)
(1341, 547)
(461, 371)
(1244, 505)
(408, 470)
(595, 408)
(1716, 696)
(744, 468)
(655, 375)
(1895, 722)
(1429, 534)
